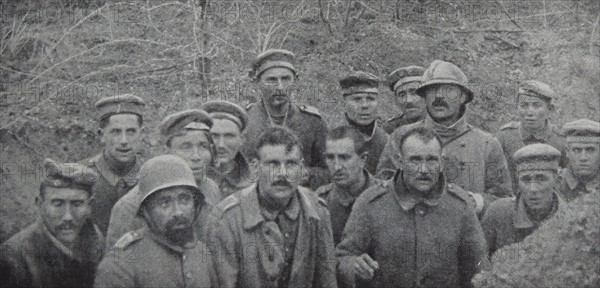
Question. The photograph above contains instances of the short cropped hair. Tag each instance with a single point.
(344, 132)
(275, 136)
(422, 133)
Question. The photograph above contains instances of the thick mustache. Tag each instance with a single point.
(439, 102)
(178, 221)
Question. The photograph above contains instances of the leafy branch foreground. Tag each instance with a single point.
(564, 252)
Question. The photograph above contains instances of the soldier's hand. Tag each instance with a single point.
(365, 267)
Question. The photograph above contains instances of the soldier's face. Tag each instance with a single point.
(444, 101)
(121, 137)
(275, 84)
(584, 159)
(411, 104)
(171, 212)
(280, 173)
(537, 188)
(362, 107)
(194, 148)
(227, 138)
(533, 112)
(421, 164)
(344, 164)
(64, 212)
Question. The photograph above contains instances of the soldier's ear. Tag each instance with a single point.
(363, 156)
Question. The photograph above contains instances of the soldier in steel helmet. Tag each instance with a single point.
(166, 252)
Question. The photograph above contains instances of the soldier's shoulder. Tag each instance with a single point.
(90, 161)
(457, 192)
(501, 208)
(310, 110)
(376, 192)
(250, 105)
(512, 125)
(394, 118)
(129, 239)
(23, 238)
(228, 204)
(324, 190)
(405, 128)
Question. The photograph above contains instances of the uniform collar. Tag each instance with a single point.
(291, 210)
(408, 200)
(448, 132)
(238, 177)
(251, 211)
(292, 110)
(521, 219)
(343, 195)
(373, 127)
(540, 136)
(572, 182)
(89, 236)
(108, 171)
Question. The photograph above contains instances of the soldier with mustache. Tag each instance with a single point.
(582, 174)
(413, 230)
(346, 156)
(510, 220)
(360, 91)
(185, 134)
(274, 233)
(120, 129)
(403, 82)
(535, 105)
(63, 247)
(473, 159)
(275, 74)
(231, 170)
(166, 252)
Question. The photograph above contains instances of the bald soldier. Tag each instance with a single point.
(231, 170)
(582, 174)
(166, 252)
(535, 106)
(473, 159)
(403, 82)
(185, 134)
(510, 220)
(275, 74)
(63, 247)
(120, 125)
(360, 92)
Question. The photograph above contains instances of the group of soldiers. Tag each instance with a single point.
(268, 196)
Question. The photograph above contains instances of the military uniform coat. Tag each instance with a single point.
(238, 178)
(34, 258)
(109, 188)
(143, 259)
(248, 249)
(473, 159)
(375, 144)
(431, 242)
(124, 218)
(512, 137)
(310, 128)
(339, 203)
(507, 221)
(570, 188)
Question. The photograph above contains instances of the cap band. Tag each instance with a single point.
(537, 165)
(196, 126)
(583, 139)
(274, 64)
(223, 115)
(357, 90)
(406, 80)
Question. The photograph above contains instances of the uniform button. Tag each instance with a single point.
(188, 275)
(287, 235)
(184, 257)
(462, 144)
(421, 211)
